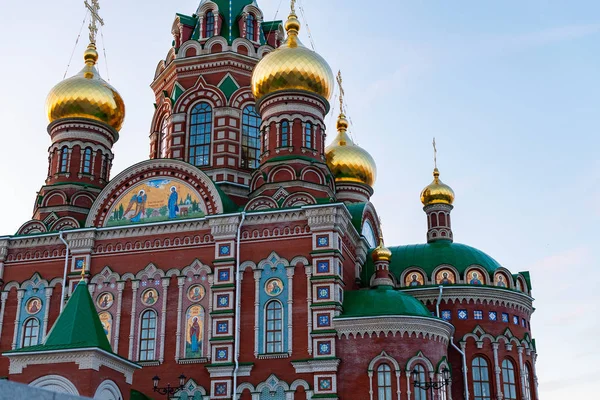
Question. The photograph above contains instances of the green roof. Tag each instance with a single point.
(356, 211)
(78, 327)
(383, 300)
(187, 20)
(429, 256)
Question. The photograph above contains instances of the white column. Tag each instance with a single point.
(371, 385)
(257, 274)
(308, 271)
(211, 282)
(134, 288)
(201, 33)
(290, 302)
(180, 283)
(497, 372)
(408, 391)
(3, 297)
(48, 294)
(521, 368)
(535, 378)
(398, 391)
(120, 287)
(163, 323)
(20, 294)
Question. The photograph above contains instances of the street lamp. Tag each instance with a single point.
(431, 385)
(168, 390)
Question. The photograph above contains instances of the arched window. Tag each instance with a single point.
(200, 134)
(434, 220)
(508, 380)
(104, 170)
(481, 379)
(164, 131)
(265, 140)
(87, 161)
(64, 158)
(250, 27)
(384, 382)
(308, 135)
(285, 134)
(527, 382)
(250, 138)
(274, 324)
(31, 332)
(209, 30)
(442, 219)
(148, 335)
(420, 394)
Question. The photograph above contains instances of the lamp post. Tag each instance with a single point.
(168, 390)
(431, 385)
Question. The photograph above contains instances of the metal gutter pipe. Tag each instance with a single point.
(238, 305)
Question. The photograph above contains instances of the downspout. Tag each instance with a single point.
(64, 288)
(238, 305)
(464, 356)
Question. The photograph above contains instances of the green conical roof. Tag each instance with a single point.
(78, 326)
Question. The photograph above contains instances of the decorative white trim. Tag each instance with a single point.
(180, 284)
(56, 384)
(120, 288)
(108, 390)
(312, 366)
(134, 288)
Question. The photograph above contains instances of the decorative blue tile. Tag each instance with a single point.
(222, 327)
(325, 383)
(515, 320)
(224, 250)
(504, 317)
(323, 267)
(156, 282)
(478, 314)
(323, 241)
(222, 354)
(79, 265)
(446, 315)
(224, 275)
(323, 293)
(493, 316)
(323, 320)
(221, 389)
(463, 314)
(324, 348)
(223, 300)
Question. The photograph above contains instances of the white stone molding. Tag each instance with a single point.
(535, 377)
(521, 369)
(20, 294)
(312, 366)
(48, 295)
(290, 302)
(180, 283)
(56, 384)
(257, 275)
(384, 357)
(408, 385)
(120, 288)
(165, 285)
(108, 390)
(134, 288)
(394, 325)
(3, 297)
(497, 371)
(445, 390)
(308, 272)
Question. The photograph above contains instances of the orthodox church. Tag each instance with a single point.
(244, 259)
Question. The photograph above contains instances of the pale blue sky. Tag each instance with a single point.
(510, 89)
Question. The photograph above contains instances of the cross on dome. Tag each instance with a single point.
(434, 154)
(342, 93)
(96, 19)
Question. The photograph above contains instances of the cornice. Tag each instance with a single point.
(316, 365)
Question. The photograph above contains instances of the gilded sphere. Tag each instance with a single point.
(349, 162)
(86, 95)
(381, 253)
(292, 67)
(437, 192)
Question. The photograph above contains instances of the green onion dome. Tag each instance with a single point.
(383, 301)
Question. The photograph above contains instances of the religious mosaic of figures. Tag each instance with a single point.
(475, 278)
(105, 301)
(194, 329)
(156, 200)
(149, 297)
(33, 306)
(445, 277)
(414, 279)
(196, 293)
(500, 280)
(106, 321)
(274, 287)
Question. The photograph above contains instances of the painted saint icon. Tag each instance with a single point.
(172, 203)
(414, 279)
(137, 207)
(500, 280)
(105, 300)
(33, 306)
(475, 279)
(196, 293)
(149, 297)
(106, 321)
(194, 331)
(445, 277)
(274, 287)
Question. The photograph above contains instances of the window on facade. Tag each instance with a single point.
(442, 219)
(285, 134)
(164, 130)
(87, 161)
(265, 141)
(274, 319)
(209, 30)
(31, 332)
(527, 382)
(384, 382)
(434, 220)
(481, 379)
(148, 336)
(308, 135)
(250, 138)
(250, 27)
(420, 394)
(508, 380)
(64, 158)
(104, 170)
(200, 134)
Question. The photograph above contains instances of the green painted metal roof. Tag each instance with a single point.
(231, 11)
(381, 301)
(228, 86)
(78, 327)
(187, 20)
(429, 256)
(356, 211)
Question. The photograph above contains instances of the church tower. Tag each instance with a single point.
(86, 114)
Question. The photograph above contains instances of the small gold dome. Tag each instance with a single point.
(292, 67)
(381, 253)
(437, 192)
(86, 95)
(347, 161)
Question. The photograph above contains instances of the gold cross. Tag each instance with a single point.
(293, 5)
(342, 93)
(94, 8)
(434, 154)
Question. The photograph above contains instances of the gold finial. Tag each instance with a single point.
(292, 25)
(83, 272)
(434, 154)
(293, 6)
(94, 8)
(342, 93)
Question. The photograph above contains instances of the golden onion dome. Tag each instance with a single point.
(381, 253)
(292, 67)
(86, 95)
(347, 161)
(437, 192)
